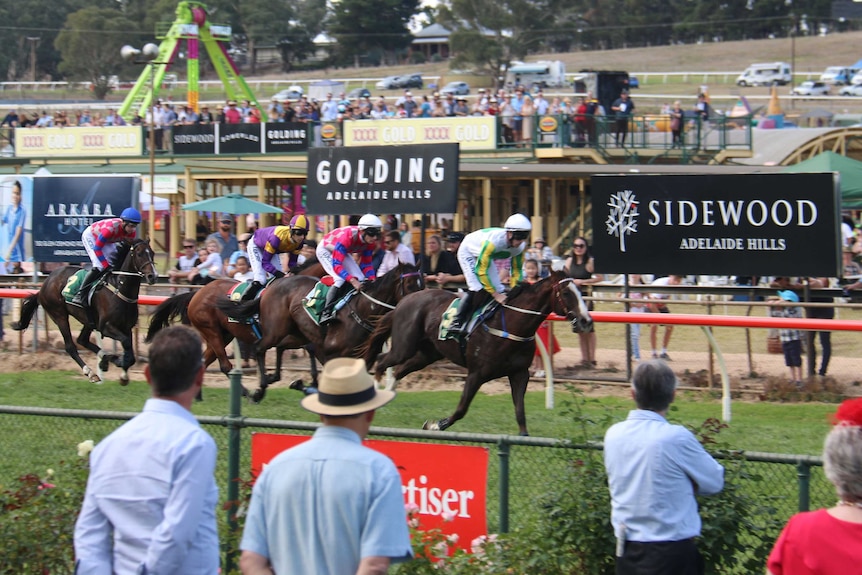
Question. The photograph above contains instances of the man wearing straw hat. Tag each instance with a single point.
(330, 506)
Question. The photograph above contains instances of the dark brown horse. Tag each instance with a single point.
(285, 323)
(199, 310)
(501, 345)
(113, 311)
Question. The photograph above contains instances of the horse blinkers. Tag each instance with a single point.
(143, 257)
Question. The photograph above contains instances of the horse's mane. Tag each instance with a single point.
(123, 249)
(385, 281)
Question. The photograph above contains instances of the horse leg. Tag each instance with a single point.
(471, 386)
(128, 359)
(518, 383)
(72, 349)
(401, 370)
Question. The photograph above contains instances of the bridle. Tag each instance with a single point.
(138, 273)
(401, 292)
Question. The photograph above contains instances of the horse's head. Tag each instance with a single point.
(401, 280)
(569, 303)
(140, 261)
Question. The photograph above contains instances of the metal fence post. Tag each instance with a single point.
(803, 475)
(503, 455)
(233, 455)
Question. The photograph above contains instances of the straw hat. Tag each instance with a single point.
(346, 388)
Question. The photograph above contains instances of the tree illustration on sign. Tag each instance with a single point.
(622, 219)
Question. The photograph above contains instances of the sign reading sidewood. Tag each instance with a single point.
(735, 224)
(383, 179)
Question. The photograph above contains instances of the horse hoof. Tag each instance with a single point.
(104, 364)
(95, 379)
(431, 426)
(297, 385)
(258, 395)
(524, 434)
(124, 381)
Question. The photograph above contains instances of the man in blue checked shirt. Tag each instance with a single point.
(655, 470)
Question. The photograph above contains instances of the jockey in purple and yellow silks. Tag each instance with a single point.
(476, 256)
(268, 243)
(334, 255)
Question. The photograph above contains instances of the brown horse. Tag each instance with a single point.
(285, 323)
(113, 310)
(199, 310)
(503, 344)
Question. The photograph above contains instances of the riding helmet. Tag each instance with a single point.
(370, 221)
(131, 215)
(518, 223)
(299, 222)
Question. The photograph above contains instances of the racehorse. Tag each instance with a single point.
(502, 344)
(285, 323)
(199, 310)
(113, 310)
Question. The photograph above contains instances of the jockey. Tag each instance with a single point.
(269, 242)
(333, 254)
(476, 255)
(99, 240)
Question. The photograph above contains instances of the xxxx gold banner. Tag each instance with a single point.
(472, 132)
(93, 141)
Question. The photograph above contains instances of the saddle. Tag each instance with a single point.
(313, 302)
(480, 314)
(76, 280)
(237, 291)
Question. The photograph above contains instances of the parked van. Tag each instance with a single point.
(541, 74)
(837, 75)
(766, 75)
(857, 78)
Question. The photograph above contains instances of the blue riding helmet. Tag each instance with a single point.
(131, 215)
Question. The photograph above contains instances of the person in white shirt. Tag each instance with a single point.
(151, 496)
(329, 109)
(658, 305)
(396, 253)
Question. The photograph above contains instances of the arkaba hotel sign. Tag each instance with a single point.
(735, 224)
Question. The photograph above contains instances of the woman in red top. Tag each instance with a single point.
(827, 541)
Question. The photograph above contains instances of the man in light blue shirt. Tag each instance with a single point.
(655, 470)
(330, 506)
(150, 501)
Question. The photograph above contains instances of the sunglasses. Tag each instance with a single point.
(372, 232)
(520, 235)
(189, 247)
(300, 233)
(580, 246)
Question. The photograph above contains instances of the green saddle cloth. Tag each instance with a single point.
(449, 316)
(73, 284)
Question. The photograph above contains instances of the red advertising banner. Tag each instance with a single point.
(446, 483)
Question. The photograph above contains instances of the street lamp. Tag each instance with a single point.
(148, 56)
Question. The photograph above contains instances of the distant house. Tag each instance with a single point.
(431, 40)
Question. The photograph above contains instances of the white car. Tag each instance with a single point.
(853, 90)
(292, 93)
(811, 88)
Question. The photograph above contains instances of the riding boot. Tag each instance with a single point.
(465, 309)
(252, 290)
(329, 305)
(92, 277)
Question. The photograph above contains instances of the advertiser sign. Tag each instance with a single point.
(472, 132)
(446, 484)
(63, 206)
(383, 179)
(239, 139)
(195, 139)
(282, 137)
(86, 141)
(735, 224)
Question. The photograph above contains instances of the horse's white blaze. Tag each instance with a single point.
(582, 306)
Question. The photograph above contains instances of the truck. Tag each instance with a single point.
(605, 86)
(542, 74)
(766, 74)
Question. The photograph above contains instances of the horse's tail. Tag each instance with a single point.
(374, 345)
(28, 308)
(167, 312)
(239, 310)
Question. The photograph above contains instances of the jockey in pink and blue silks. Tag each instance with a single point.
(265, 246)
(334, 251)
(99, 239)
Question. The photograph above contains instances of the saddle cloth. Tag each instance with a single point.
(73, 285)
(313, 302)
(449, 316)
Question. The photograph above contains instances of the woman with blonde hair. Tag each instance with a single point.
(528, 112)
(827, 541)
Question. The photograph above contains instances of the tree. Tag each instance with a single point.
(363, 26)
(488, 34)
(90, 44)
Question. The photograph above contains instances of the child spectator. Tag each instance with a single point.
(210, 267)
(640, 307)
(531, 276)
(791, 339)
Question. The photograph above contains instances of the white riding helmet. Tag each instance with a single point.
(370, 221)
(518, 223)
